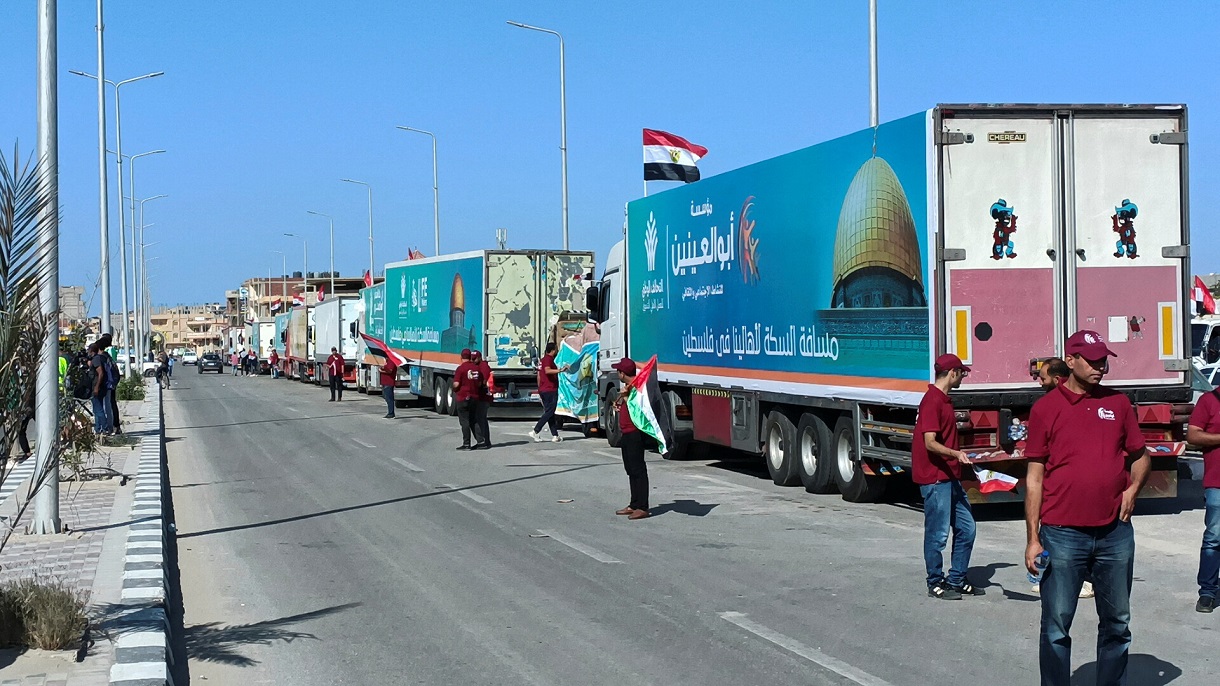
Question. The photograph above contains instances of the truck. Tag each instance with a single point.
(503, 303)
(335, 321)
(372, 322)
(299, 342)
(260, 335)
(795, 305)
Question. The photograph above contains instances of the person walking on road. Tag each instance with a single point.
(163, 369)
(632, 445)
(235, 361)
(389, 380)
(467, 383)
(936, 467)
(1086, 465)
(548, 391)
(252, 362)
(274, 361)
(334, 373)
(1203, 430)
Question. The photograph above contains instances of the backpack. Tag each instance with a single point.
(112, 373)
(85, 381)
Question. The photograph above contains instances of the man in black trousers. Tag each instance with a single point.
(632, 446)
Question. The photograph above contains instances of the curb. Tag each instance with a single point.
(142, 644)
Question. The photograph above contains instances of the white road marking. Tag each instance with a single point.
(406, 464)
(469, 494)
(800, 649)
(582, 548)
(360, 442)
(292, 409)
(607, 453)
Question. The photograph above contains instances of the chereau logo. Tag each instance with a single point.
(1103, 413)
(650, 242)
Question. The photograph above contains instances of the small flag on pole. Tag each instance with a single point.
(991, 482)
(646, 407)
(368, 278)
(321, 292)
(1204, 302)
(670, 158)
(277, 304)
(378, 347)
(297, 301)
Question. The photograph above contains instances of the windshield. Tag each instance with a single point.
(1197, 332)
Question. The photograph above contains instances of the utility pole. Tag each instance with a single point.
(874, 116)
(46, 500)
(103, 209)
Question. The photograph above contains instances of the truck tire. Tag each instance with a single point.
(451, 399)
(439, 396)
(779, 449)
(613, 434)
(814, 465)
(854, 484)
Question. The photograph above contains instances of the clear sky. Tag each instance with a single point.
(266, 105)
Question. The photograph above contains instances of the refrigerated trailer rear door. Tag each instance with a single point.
(1126, 211)
(1000, 285)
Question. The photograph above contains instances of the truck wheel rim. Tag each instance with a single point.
(809, 453)
(775, 447)
(846, 468)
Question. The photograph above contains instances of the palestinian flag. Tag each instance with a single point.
(991, 482)
(380, 349)
(670, 158)
(646, 408)
(1202, 297)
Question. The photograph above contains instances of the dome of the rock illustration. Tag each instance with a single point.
(876, 258)
(457, 302)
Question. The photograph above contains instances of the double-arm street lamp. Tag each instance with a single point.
(372, 273)
(436, 194)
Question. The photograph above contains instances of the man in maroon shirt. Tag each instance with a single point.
(389, 380)
(632, 445)
(469, 382)
(1204, 432)
(1086, 465)
(936, 468)
(548, 392)
(483, 399)
(334, 370)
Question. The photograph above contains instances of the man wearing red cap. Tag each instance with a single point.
(936, 467)
(1203, 430)
(632, 445)
(1086, 466)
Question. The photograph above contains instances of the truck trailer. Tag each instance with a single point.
(795, 305)
(372, 322)
(299, 340)
(334, 327)
(500, 302)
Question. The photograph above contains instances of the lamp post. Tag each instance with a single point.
(304, 295)
(332, 246)
(137, 241)
(436, 194)
(563, 120)
(371, 272)
(118, 134)
(283, 279)
(131, 171)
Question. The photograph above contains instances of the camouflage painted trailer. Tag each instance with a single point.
(501, 302)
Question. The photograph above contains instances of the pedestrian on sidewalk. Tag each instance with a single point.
(23, 407)
(1204, 431)
(632, 445)
(334, 373)
(163, 369)
(466, 384)
(116, 423)
(1086, 465)
(274, 361)
(389, 381)
(100, 398)
(235, 361)
(936, 467)
(548, 392)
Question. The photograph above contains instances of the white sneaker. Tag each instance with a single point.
(1086, 591)
(535, 437)
(556, 439)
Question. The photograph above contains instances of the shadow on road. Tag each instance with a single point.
(692, 508)
(1142, 669)
(378, 503)
(214, 642)
(264, 421)
(982, 576)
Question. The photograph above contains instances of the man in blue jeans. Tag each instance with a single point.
(936, 466)
(1086, 466)
(1204, 431)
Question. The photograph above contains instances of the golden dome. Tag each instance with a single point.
(457, 296)
(876, 228)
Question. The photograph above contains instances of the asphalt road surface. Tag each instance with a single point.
(322, 544)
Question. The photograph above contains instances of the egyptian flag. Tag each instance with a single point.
(1204, 302)
(277, 304)
(368, 278)
(297, 301)
(670, 158)
(321, 292)
(380, 349)
(646, 408)
(992, 482)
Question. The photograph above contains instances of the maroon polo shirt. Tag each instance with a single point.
(1206, 416)
(546, 382)
(1085, 440)
(935, 416)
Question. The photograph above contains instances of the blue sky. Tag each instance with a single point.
(265, 106)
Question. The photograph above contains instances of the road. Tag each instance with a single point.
(322, 544)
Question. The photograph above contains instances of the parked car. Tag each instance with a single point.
(211, 362)
(190, 357)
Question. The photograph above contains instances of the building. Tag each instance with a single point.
(266, 297)
(72, 305)
(197, 327)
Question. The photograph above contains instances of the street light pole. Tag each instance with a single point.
(436, 193)
(283, 284)
(137, 240)
(372, 273)
(104, 192)
(563, 120)
(332, 246)
(304, 296)
(131, 171)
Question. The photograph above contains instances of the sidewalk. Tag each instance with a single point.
(89, 557)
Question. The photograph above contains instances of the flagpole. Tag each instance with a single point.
(645, 188)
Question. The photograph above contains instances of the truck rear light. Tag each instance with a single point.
(682, 412)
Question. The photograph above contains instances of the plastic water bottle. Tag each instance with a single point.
(1040, 563)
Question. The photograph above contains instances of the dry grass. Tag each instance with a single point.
(43, 614)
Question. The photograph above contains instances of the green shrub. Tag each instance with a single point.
(12, 623)
(131, 388)
(48, 615)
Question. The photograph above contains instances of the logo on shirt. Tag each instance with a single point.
(1103, 413)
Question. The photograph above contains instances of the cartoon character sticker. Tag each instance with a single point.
(1123, 221)
(1005, 227)
(748, 244)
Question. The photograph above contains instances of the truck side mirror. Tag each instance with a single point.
(1213, 349)
(352, 330)
(593, 299)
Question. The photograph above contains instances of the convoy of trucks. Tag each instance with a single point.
(795, 305)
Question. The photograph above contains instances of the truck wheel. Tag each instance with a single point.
(779, 448)
(814, 465)
(439, 396)
(613, 434)
(854, 484)
(451, 399)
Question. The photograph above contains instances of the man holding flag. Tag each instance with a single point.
(640, 413)
(936, 467)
